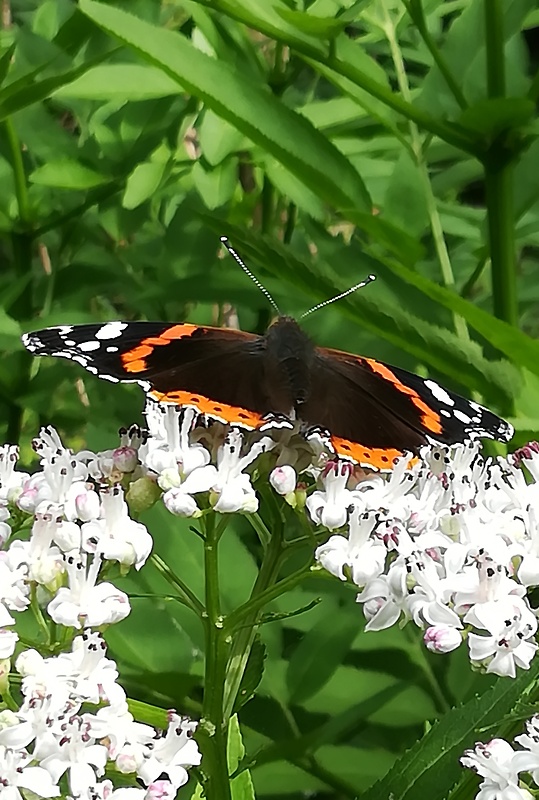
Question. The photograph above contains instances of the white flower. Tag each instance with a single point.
(527, 760)
(495, 763)
(510, 625)
(8, 640)
(16, 774)
(384, 598)
(76, 753)
(364, 555)
(116, 726)
(330, 507)
(87, 602)
(10, 480)
(169, 444)
(116, 536)
(172, 753)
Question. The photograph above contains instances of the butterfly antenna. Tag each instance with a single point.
(360, 285)
(245, 268)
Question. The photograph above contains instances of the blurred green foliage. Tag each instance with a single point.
(328, 139)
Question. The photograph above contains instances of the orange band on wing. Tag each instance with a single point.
(430, 419)
(221, 411)
(375, 457)
(135, 360)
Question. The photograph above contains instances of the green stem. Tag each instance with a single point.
(215, 724)
(498, 166)
(499, 200)
(243, 642)
(191, 599)
(264, 597)
(418, 18)
(438, 237)
(19, 175)
(422, 657)
(494, 44)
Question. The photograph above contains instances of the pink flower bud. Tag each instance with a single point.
(283, 479)
(180, 503)
(87, 505)
(125, 458)
(442, 638)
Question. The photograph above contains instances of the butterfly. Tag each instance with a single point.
(373, 412)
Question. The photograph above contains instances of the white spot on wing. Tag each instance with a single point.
(111, 330)
(458, 414)
(112, 349)
(440, 393)
(87, 347)
(110, 378)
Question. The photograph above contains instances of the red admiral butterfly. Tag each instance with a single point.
(373, 411)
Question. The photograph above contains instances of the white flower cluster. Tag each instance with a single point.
(183, 463)
(450, 541)
(77, 519)
(500, 765)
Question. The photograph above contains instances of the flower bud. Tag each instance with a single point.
(180, 503)
(283, 479)
(125, 458)
(142, 495)
(30, 662)
(5, 663)
(442, 638)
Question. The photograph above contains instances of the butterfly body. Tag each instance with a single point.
(373, 412)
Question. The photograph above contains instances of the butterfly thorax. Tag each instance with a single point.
(289, 357)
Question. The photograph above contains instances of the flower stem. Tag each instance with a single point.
(243, 642)
(214, 727)
(190, 597)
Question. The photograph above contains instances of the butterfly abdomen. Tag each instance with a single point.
(289, 359)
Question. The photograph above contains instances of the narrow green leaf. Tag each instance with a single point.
(120, 82)
(253, 674)
(322, 27)
(432, 766)
(67, 174)
(241, 787)
(514, 344)
(244, 103)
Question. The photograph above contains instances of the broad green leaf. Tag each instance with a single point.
(67, 174)
(245, 104)
(143, 182)
(405, 202)
(491, 117)
(432, 766)
(320, 652)
(125, 82)
(215, 185)
(217, 138)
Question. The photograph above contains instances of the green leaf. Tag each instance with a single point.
(321, 27)
(216, 185)
(143, 182)
(217, 138)
(241, 786)
(320, 652)
(253, 674)
(125, 82)
(432, 766)
(491, 117)
(247, 105)
(67, 174)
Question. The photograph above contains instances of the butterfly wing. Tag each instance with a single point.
(377, 411)
(179, 363)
